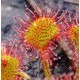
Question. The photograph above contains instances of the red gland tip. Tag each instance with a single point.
(4, 62)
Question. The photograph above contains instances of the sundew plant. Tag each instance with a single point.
(12, 62)
(40, 30)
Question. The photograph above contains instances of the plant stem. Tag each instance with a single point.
(46, 65)
(24, 75)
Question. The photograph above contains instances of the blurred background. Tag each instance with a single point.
(11, 8)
